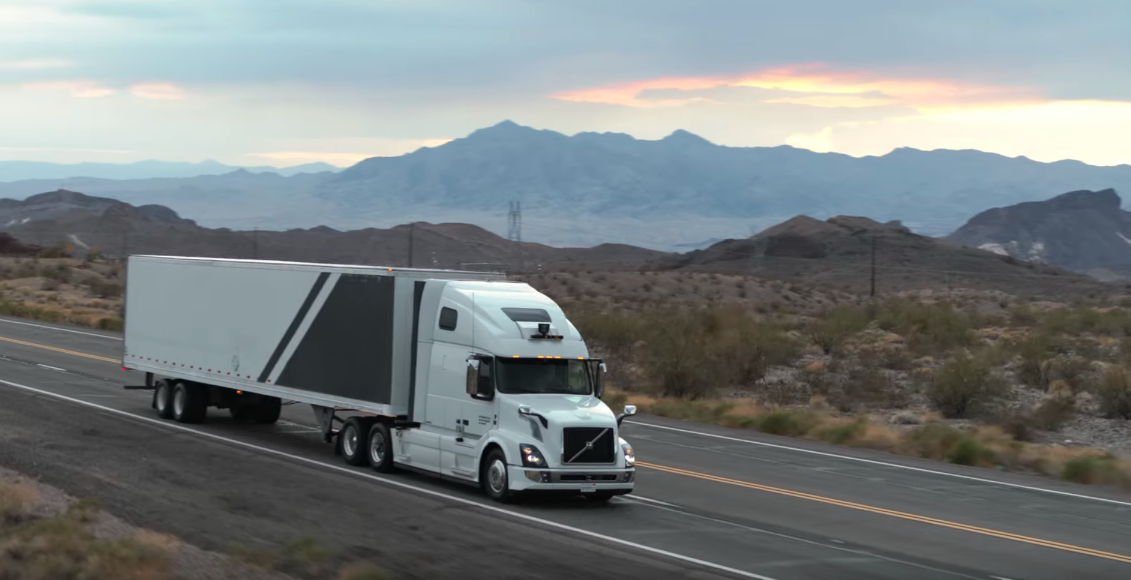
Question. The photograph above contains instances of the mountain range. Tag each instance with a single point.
(837, 252)
(590, 188)
(25, 170)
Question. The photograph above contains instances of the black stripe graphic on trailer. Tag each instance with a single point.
(348, 349)
(417, 295)
(293, 328)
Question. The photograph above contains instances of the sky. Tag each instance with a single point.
(284, 82)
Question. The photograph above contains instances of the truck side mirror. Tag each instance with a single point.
(480, 382)
(472, 377)
(597, 371)
(629, 410)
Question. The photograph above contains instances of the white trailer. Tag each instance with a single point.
(461, 375)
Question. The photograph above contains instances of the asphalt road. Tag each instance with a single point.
(710, 502)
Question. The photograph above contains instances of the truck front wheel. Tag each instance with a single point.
(494, 478)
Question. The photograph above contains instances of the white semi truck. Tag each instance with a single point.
(461, 375)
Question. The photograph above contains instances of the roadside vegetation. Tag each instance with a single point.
(84, 292)
(44, 538)
(980, 379)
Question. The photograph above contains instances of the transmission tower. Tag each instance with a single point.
(514, 222)
(514, 230)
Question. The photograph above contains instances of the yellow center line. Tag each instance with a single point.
(775, 490)
(62, 350)
(891, 513)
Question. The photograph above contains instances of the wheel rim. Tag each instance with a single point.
(497, 476)
(179, 401)
(349, 442)
(162, 398)
(377, 447)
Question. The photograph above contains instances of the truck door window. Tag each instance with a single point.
(448, 318)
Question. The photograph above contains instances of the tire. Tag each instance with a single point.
(494, 477)
(163, 399)
(379, 445)
(189, 404)
(353, 440)
(267, 410)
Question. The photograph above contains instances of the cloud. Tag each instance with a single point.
(80, 89)
(157, 91)
(34, 64)
(812, 84)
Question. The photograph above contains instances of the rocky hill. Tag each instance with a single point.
(591, 188)
(839, 252)
(1084, 231)
(86, 223)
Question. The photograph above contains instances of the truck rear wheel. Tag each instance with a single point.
(267, 410)
(380, 448)
(189, 404)
(163, 399)
(494, 478)
(353, 441)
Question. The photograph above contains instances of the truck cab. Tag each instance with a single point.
(508, 397)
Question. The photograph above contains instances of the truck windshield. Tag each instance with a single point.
(543, 376)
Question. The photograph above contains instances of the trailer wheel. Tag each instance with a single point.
(189, 404)
(241, 413)
(267, 410)
(493, 476)
(352, 441)
(380, 448)
(163, 399)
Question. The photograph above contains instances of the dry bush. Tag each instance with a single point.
(16, 502)
(964, 386)
(1114, 393)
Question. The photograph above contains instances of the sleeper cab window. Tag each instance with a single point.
(448, 318)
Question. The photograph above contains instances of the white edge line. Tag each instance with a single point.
(886, 464)
(390, 482)
(95, 334)
(649, 500)
(51, 368)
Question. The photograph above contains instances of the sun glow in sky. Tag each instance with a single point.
(292, 81)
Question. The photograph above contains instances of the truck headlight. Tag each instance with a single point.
(629, 456)
(531, 457)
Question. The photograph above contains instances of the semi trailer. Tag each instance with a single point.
(461, 375)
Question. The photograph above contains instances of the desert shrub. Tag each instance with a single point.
(1093, 470)
(1070, 370)
(830, 331)
(932, 441)
(678, 356)
(59, 273)
(787, 423)
(964, 386)
(1053, 412)
(968, 451)
(55, 252)
(865, 386)
(928, 327)
(111, 323)
(844, 433)
(1036, 353)
(100, 288)
(1114, 393)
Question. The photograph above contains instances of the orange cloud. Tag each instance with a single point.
(157, 91)
(80, 89)
(816, 86)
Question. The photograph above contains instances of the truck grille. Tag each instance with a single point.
(576, 440)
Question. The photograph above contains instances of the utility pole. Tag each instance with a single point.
(873, 292)
(411, 236)
(255, 244)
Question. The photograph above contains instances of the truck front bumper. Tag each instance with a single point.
(616, 480)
